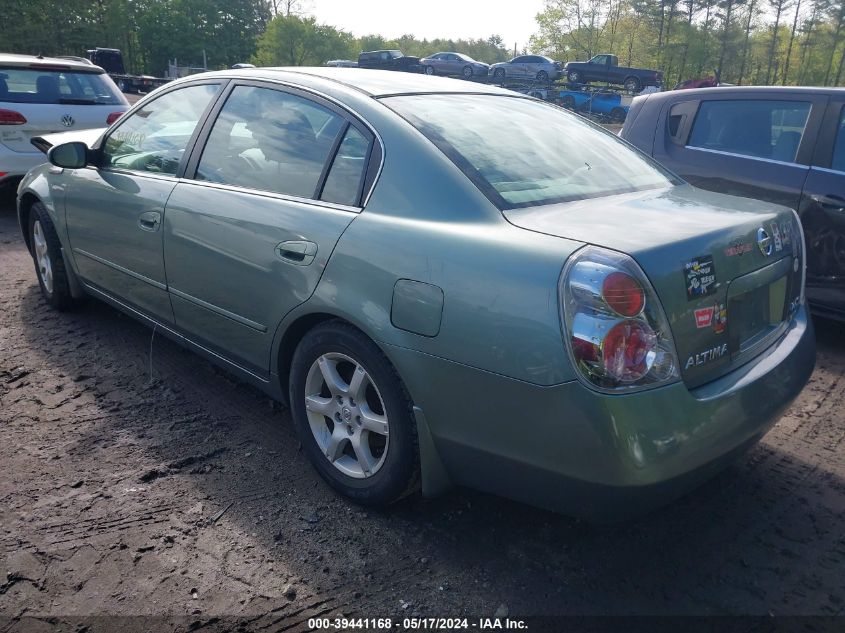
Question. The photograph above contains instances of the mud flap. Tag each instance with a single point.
(434, 478)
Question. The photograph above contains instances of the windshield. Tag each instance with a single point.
(523, 152)
(44, 85)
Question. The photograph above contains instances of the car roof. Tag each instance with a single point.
(740, 91)
(374, 83)
(51, 63)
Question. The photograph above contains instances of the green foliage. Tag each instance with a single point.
(295, 41)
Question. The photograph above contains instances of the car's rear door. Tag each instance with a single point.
(752, 145)
(822, 212)
(114, 211)
(275, 179)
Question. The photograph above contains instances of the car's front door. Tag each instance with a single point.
(275, 180)
(751, 146)
(114, 211)
(822, 214)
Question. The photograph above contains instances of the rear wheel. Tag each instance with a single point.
(499, 74)
(47, 255)
(429, 70)
(632, 84)
(617, 115)
(353, 415)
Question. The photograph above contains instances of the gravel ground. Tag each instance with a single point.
(137, 479)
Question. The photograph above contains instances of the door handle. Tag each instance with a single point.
(149, 220)
(834, 201)
(298, 252)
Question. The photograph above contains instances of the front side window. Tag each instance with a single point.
(153, 139)
(270, 140)
(838, 162)
(758, 128)
(523, 152)
(42, 85)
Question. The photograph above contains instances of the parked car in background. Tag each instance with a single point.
(782, 145)
(606, 106)
(389, 60)
(454, 64)
(450, 283)
(342, 63)
(111, 60)
(537, 67)
(605, 68)
(40, 95)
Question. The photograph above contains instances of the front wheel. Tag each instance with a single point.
(47, 255)
(429, 70)
(574, 77)
(542, 76)
(353, 415)
(467, 72)
(617, 115)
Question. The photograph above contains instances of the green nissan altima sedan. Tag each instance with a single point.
(449, 284)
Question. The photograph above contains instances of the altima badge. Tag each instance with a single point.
(764, 241)
(68, 121)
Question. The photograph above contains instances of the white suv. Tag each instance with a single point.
(41, 95)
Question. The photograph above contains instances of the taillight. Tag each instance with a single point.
(615, 329)
(114, 116)
(11, 117)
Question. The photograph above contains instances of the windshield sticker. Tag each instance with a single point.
(700, 277)
(708, 356)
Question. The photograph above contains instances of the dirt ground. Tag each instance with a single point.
(137, 479)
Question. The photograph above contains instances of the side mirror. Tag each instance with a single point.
(69, 155)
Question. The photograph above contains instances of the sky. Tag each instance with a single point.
(450, 19)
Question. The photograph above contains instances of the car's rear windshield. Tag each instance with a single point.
(522, 152)
(43, 85)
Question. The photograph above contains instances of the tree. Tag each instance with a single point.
(778, 6)
(296, 41)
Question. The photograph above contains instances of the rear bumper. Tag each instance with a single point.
(16, 164)
(572, 450)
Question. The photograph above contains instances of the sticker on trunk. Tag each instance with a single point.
(704, 317)
(700, 277)
(738, 247)
(720, 318)
(776, 236)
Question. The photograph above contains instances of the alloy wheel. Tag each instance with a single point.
(347, 415)
(42, 257)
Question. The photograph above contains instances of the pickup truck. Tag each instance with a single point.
(606, 68)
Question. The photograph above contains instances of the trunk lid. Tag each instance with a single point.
(725, 299)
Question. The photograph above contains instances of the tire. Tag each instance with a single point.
(467, 72)
(617, 115)
(499, 74)
(121, 85)
(383, 467)
(568, 102)
(429, 70)
(632, 84)
(542, 76)
(574, 77)
(47, 256)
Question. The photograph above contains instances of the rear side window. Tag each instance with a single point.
(838, 162)
(270, 140)
(30, 85)
(346, 177)
(762, 129)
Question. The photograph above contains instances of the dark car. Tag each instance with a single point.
(389, 60)
(781, 145)
(605, 68)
